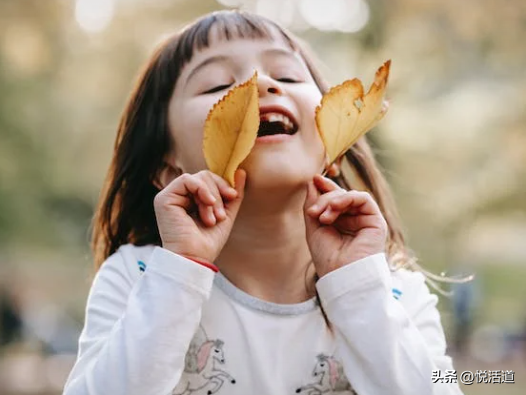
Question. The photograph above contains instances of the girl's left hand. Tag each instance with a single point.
(342, 226)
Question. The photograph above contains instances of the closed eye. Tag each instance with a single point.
(217, 89)
(287, 80)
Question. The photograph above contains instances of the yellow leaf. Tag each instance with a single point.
(345, 114)
(231, 129)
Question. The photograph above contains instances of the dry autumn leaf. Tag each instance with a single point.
(231, 129)
(345, 114)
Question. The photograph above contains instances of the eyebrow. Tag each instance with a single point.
(280, 51)
(292, 55)
(223, 58)
(213, 59)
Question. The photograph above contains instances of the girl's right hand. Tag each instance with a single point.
(195, 213)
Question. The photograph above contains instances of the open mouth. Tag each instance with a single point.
(274, 122)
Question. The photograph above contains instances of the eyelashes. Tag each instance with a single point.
(219, 88)
(288, 80)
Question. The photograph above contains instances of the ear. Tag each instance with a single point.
(166, 175)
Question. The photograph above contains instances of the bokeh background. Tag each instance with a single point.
(453, 146)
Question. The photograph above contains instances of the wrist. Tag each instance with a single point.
(325, 268)
(185, 254)
(203, 262)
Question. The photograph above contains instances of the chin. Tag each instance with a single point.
(269, 173)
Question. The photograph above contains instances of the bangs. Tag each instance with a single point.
(227, 25)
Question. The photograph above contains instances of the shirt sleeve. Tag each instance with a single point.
(387, 346)
(137, 331)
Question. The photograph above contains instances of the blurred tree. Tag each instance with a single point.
(450, 143)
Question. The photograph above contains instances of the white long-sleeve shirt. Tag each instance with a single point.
(160, 324)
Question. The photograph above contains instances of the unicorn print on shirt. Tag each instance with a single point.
(201, 375)
(329, 378)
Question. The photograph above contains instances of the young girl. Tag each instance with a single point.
(286, 283)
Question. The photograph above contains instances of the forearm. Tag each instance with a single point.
(381, 349)
(144, 351)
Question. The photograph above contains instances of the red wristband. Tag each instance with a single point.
(209, 265)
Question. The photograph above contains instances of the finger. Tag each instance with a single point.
(323, 201)
(181, 201)
(206, 213)
(240, 179)
(328, 216)
(356, 202)
(220, 212)
(325, 184)
(311, 196)
(187, 184)
(232, 207)
(311, 224)
(218, 208)
(224, 187)
(356, 222)
(351, 223)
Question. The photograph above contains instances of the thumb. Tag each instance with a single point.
(311, 223)
(312, 195)
(232, 207)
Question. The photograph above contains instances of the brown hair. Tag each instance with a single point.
(125, 212)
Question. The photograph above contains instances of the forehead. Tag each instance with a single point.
(242, 48)
(218, 35)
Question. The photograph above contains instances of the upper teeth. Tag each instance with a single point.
(278, 117)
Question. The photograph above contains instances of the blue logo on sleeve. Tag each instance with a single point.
(397, 293)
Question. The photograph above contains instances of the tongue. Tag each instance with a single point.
(269, 128)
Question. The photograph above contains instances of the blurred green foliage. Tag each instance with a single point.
(452, 145)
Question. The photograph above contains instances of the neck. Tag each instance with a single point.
(267, 255)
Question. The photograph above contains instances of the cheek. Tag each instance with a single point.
(186, 122)
(309, 100)
(190, 120)
(195, 111)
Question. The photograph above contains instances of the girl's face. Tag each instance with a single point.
(285, 87)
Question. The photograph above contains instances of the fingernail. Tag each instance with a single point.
(222, 212)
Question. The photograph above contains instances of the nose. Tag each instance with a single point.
(267, 85)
